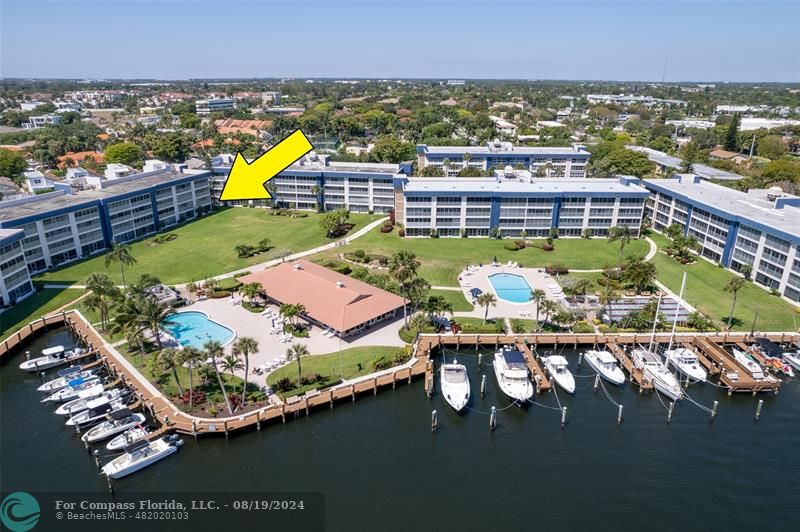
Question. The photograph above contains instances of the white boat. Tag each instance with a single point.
(605, 365)
(140, 455)
(96, 411)
(687, 363)
(82, 402)
(51, 357)
(558, 368)
(121, 420)
(64, 377)
(128, 437)
(72, 389)
(511, 372)
(455, 385)
(793, 359)
(751, 366)
(655, 371)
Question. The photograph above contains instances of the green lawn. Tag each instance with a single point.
(348, 364)
(206, 247)
(456, 298)
(444, 258)
(43, 302)
(705, 284)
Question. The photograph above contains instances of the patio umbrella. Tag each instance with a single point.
(475, 292)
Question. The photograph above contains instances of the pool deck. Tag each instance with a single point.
(478, 277)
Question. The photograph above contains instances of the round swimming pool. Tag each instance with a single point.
(193, 328)
(511, 287)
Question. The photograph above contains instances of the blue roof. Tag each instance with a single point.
(514, 356)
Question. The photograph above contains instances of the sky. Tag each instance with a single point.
(730, 40)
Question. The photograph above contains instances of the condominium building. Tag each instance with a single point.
(15, 280)
(622, 99)
(36, 122)
(451, 207)
(315, 182)
(206, 107)
(568, 162)
(669, 164)
(59, 227)
(758, 229)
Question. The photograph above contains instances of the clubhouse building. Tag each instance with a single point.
(332, 300)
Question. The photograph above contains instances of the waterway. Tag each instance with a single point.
(381, 468)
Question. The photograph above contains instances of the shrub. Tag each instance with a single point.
(284, 385)
(387, 228)
(582, 327)
(339, 267)
(510, 246)
(242, 274)
(360, 253)
(548, 247)
(311, 378)
(219, 294)
(556, 269)
(517, 326)
(197, 396)
(383, 260)
(402, 233)
(382, 363)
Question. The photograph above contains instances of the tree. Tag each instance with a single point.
(103, 297)
(231, 364)
(431, 171)
(698, 321)
(172, 147)
(120, 253)
(124, 153)
(153, 316)
(731, 142)
(549, 307)
(690, 154)
(623, 235)
(771, 147)
(639, 274)
(782, 170)
(12, 165)
(390, 149)
(190, 355)
(169, 360)
(581, 286)
(251, 291)
(625, 162)
(244, 347)
(295, 352)
(214, 350)
(486, 300)
(733, 286)
(538, 296)
(403, 268)
(608, 297)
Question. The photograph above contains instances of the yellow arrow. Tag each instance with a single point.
(248, 180)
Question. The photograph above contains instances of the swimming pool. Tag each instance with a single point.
(513, 288)
(194, 329)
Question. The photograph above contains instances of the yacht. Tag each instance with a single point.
(558, 368)
(64, 377)
(128, 437)
(72, 389)
(140, 455)
(511, 371)
(121, 420)
(655, 371)
(51, 357)
(687, 363)
(751, 366)
(605, 365)
(84, 398)
(455, 385)
(97, 411)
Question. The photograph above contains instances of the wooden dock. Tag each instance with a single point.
(636, 374)
(708, 347)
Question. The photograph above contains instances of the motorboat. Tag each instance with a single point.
(84, 398)
(511, 372)
(121, 420)
(654, 370)
(96, 411)
(51, 357)
(793, 359)
(64, 377)
(140, 455)
(774, 356)
(128, 437)
(605, 365)
(687, 363)
(558, 368)
(72, 389)
(455, 385)
(751, 366)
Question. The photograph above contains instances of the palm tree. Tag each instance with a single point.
(251, 291)
(231, 363)
(403, 268)
(623, 235)
(538, 295)
(135, 335)
(732, 287)
(640, 274)
(154, 316)
(607, 299)
(243, 347)
(120, 253)
(214, 350)
(581, 286)
(296, 351)
(190, 355)
(549, 307)
(486, 300)
(103, 297)
(169, 359)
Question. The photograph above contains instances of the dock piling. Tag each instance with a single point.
(194, 429)
(434, 421)
(493, 419)
(563, 417)
(714, 410)
(758, 408)
(596, 382)
(669, 412)
(580, 360)
(483, 385)
(480, 358)
(619, 416)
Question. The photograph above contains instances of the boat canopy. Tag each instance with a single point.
(512, 356)
(141, 444)
(122, 413)
(99, 410)
(69, 371)
(770, 348)
(53, 351)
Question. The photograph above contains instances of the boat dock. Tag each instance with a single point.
(707, 346)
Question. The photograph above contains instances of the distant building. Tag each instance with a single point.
(668, 165)
(117, 170)
(36, 122)
(15, 280)
(36, 182)
(30, 106)
(206, 107)
(504, 127)
(456, 82)
(270, 98)
(718, 154)
(622, 99)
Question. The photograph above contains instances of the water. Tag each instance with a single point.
(381, 468)
(513, 288)
(194, 329)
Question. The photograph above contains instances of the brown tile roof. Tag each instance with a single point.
(79, 156)
(341, 307)
(723, 154)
